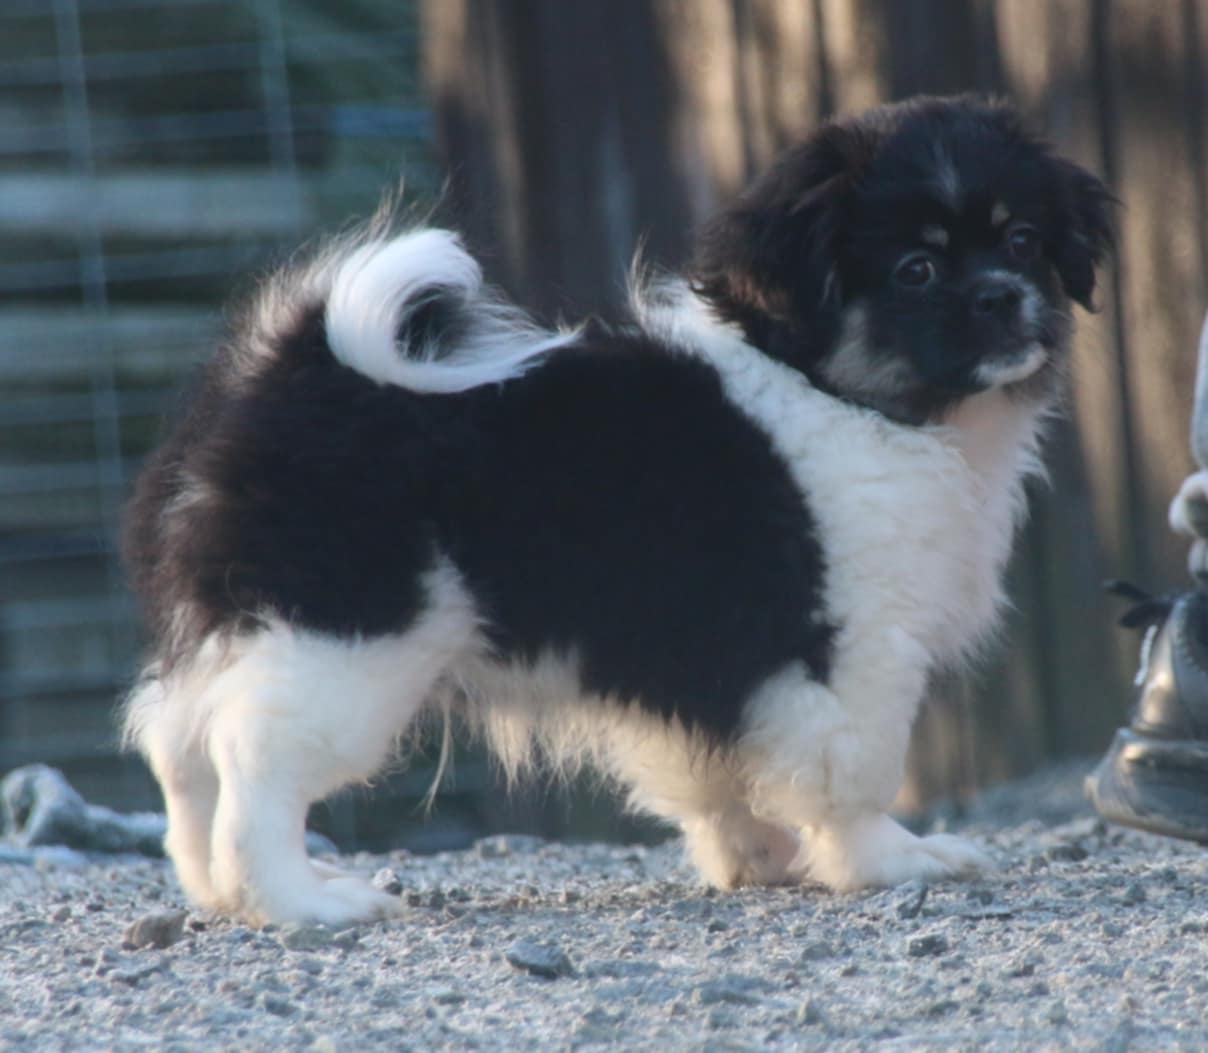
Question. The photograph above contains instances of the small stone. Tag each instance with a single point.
(61, 914)
(346, 939)
(299, 937)
(730, 990)
(1134, 894)
(1057, 1014)
(817, 951)
(540, 959)
(717, 925)
(131, 977)
(156, 931)
(277, 1006)
(507, 845)
(1025, 965)
(386, 880)
(1112, 929)
(910, 901)
(929, 946)
(942, 1007)
(810, 1013)
(448, 996)
(1068, 852)
(1121, 1039)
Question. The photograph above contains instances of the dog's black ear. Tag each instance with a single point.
(768, 262)
(1090, 234)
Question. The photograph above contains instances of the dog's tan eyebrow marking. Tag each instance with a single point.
(999, 214)
(934, 235)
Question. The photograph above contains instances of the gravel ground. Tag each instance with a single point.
(1086, 938)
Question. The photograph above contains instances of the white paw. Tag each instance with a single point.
(874, 850)
(327, 871)
(333, 901)
(736, 850)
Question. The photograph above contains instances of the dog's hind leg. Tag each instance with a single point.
(295, 717)
(157, 720)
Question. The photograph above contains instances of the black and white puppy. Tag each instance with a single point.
(716, 553)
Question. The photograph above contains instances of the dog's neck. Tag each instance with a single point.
(998, 435)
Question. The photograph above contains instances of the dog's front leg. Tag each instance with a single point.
(820, 765)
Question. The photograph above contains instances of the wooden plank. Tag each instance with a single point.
(161, 203)
(857, 44)
(1162, 265)
(780, 81)
(1079, 534)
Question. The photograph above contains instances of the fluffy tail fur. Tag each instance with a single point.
(412, 310)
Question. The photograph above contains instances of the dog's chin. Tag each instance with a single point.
(1011, 370)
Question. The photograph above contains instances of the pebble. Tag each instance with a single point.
(277, 1006)
(386, 880)
(133, 975)
(157, 931)
(928, 946)
(817, 951)
(1135, 893)
(448, 996)
(501, 845)
(1070, 852)
(299, 937)
(731, 990)
(912, 897)
(546, 960)
(810, 1013)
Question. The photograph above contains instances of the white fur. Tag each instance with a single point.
(536, 714)
(916, 525)
(999, 374)
(375, 287)
(372, 281)
(255, 728)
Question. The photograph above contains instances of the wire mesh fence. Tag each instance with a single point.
(152, 154)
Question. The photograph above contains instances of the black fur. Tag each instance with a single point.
(610, 503)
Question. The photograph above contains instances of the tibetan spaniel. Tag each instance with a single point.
(714, 551)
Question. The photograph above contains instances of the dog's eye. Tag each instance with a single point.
(1024, 241)
(915, 271)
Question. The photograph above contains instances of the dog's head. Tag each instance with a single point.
(912, 256)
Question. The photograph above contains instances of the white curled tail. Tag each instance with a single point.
(412, 311)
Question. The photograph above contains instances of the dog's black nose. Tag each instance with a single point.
(994, 297)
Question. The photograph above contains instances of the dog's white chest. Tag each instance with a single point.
(916, 524)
